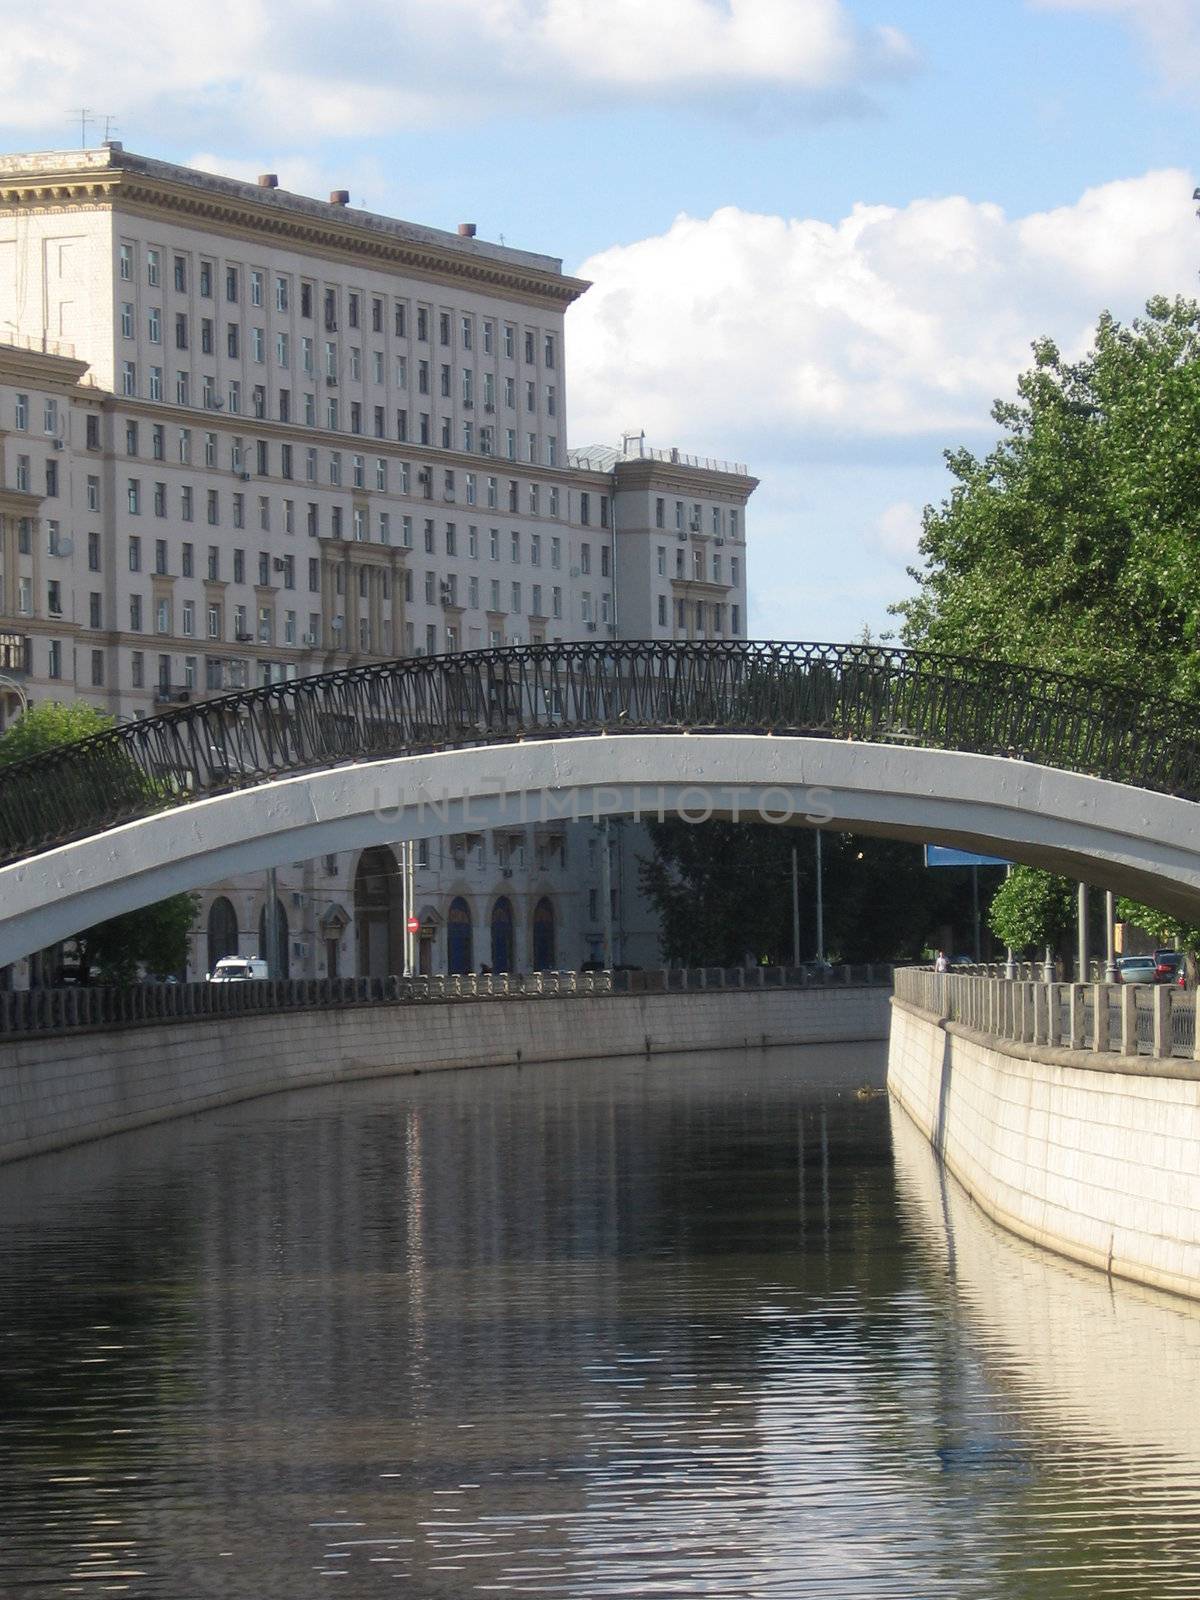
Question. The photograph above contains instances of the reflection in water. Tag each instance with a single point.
(615, 1329)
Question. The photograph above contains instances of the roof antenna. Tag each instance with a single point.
(84, 113)
(111, 126)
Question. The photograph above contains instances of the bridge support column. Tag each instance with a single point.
(1100, 1016)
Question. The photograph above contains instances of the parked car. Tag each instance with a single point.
(1167, 965)
(237, 969)
(1137, 969)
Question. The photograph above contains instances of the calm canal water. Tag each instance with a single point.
(705, 1326)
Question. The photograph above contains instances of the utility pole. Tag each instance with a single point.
(408, 872)
(1110, 937)
(271, 926)
(796, 908)
(820, 903)
(606, 895)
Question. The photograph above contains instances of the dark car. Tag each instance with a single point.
(1166, 965)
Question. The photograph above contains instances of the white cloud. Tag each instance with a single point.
(751, 331)
(301, 70)
(1170, 29)
(840, 359)
(898, 530)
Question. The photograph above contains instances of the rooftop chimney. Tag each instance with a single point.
(466, 230)
(268, 180)
(339, 197)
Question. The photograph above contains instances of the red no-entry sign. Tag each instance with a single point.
(413, 925)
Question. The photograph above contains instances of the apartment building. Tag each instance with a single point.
(246, 436)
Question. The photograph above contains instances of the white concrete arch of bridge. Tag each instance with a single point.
(1109, 834)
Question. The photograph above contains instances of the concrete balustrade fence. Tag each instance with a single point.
(1157, 1020)
(38, 1011)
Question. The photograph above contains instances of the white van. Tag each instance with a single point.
(237, 969)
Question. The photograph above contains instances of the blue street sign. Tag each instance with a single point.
(938, 855)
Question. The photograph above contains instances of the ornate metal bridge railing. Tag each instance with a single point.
(870, 693)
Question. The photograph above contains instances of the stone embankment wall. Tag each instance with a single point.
(1096, 1156)
(67, 1087)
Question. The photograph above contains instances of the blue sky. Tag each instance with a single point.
(822, 232)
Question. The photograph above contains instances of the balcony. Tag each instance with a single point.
(167, 694)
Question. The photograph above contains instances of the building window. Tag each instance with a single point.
(281, 294)
(125, 259)
(153, 268)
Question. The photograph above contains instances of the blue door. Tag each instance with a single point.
(459, 951)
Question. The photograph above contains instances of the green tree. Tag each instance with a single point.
(48, 726)
(154, 937)
(1032, 909)
(1075, 543)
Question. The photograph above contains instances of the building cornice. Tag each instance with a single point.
(42, 369)
(339, 236)
(645, 472)
(21, 502)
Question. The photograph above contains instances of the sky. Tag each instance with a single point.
(821, 234)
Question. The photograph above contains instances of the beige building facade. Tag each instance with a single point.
(246, 436)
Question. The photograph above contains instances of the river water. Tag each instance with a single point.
(708, 1325)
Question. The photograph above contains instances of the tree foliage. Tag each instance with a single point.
(1160, 925)
(49, 725)
(155, 937)
(1032, 909)
(1075, 543)
(723, 890)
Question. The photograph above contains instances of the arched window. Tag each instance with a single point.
(281, 932)
(502, 935)
(222, 931)
(460, 944)
(543, 936)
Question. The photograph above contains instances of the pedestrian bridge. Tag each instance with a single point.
(1052, 770)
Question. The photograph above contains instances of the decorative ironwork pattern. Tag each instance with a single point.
(870, 693)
